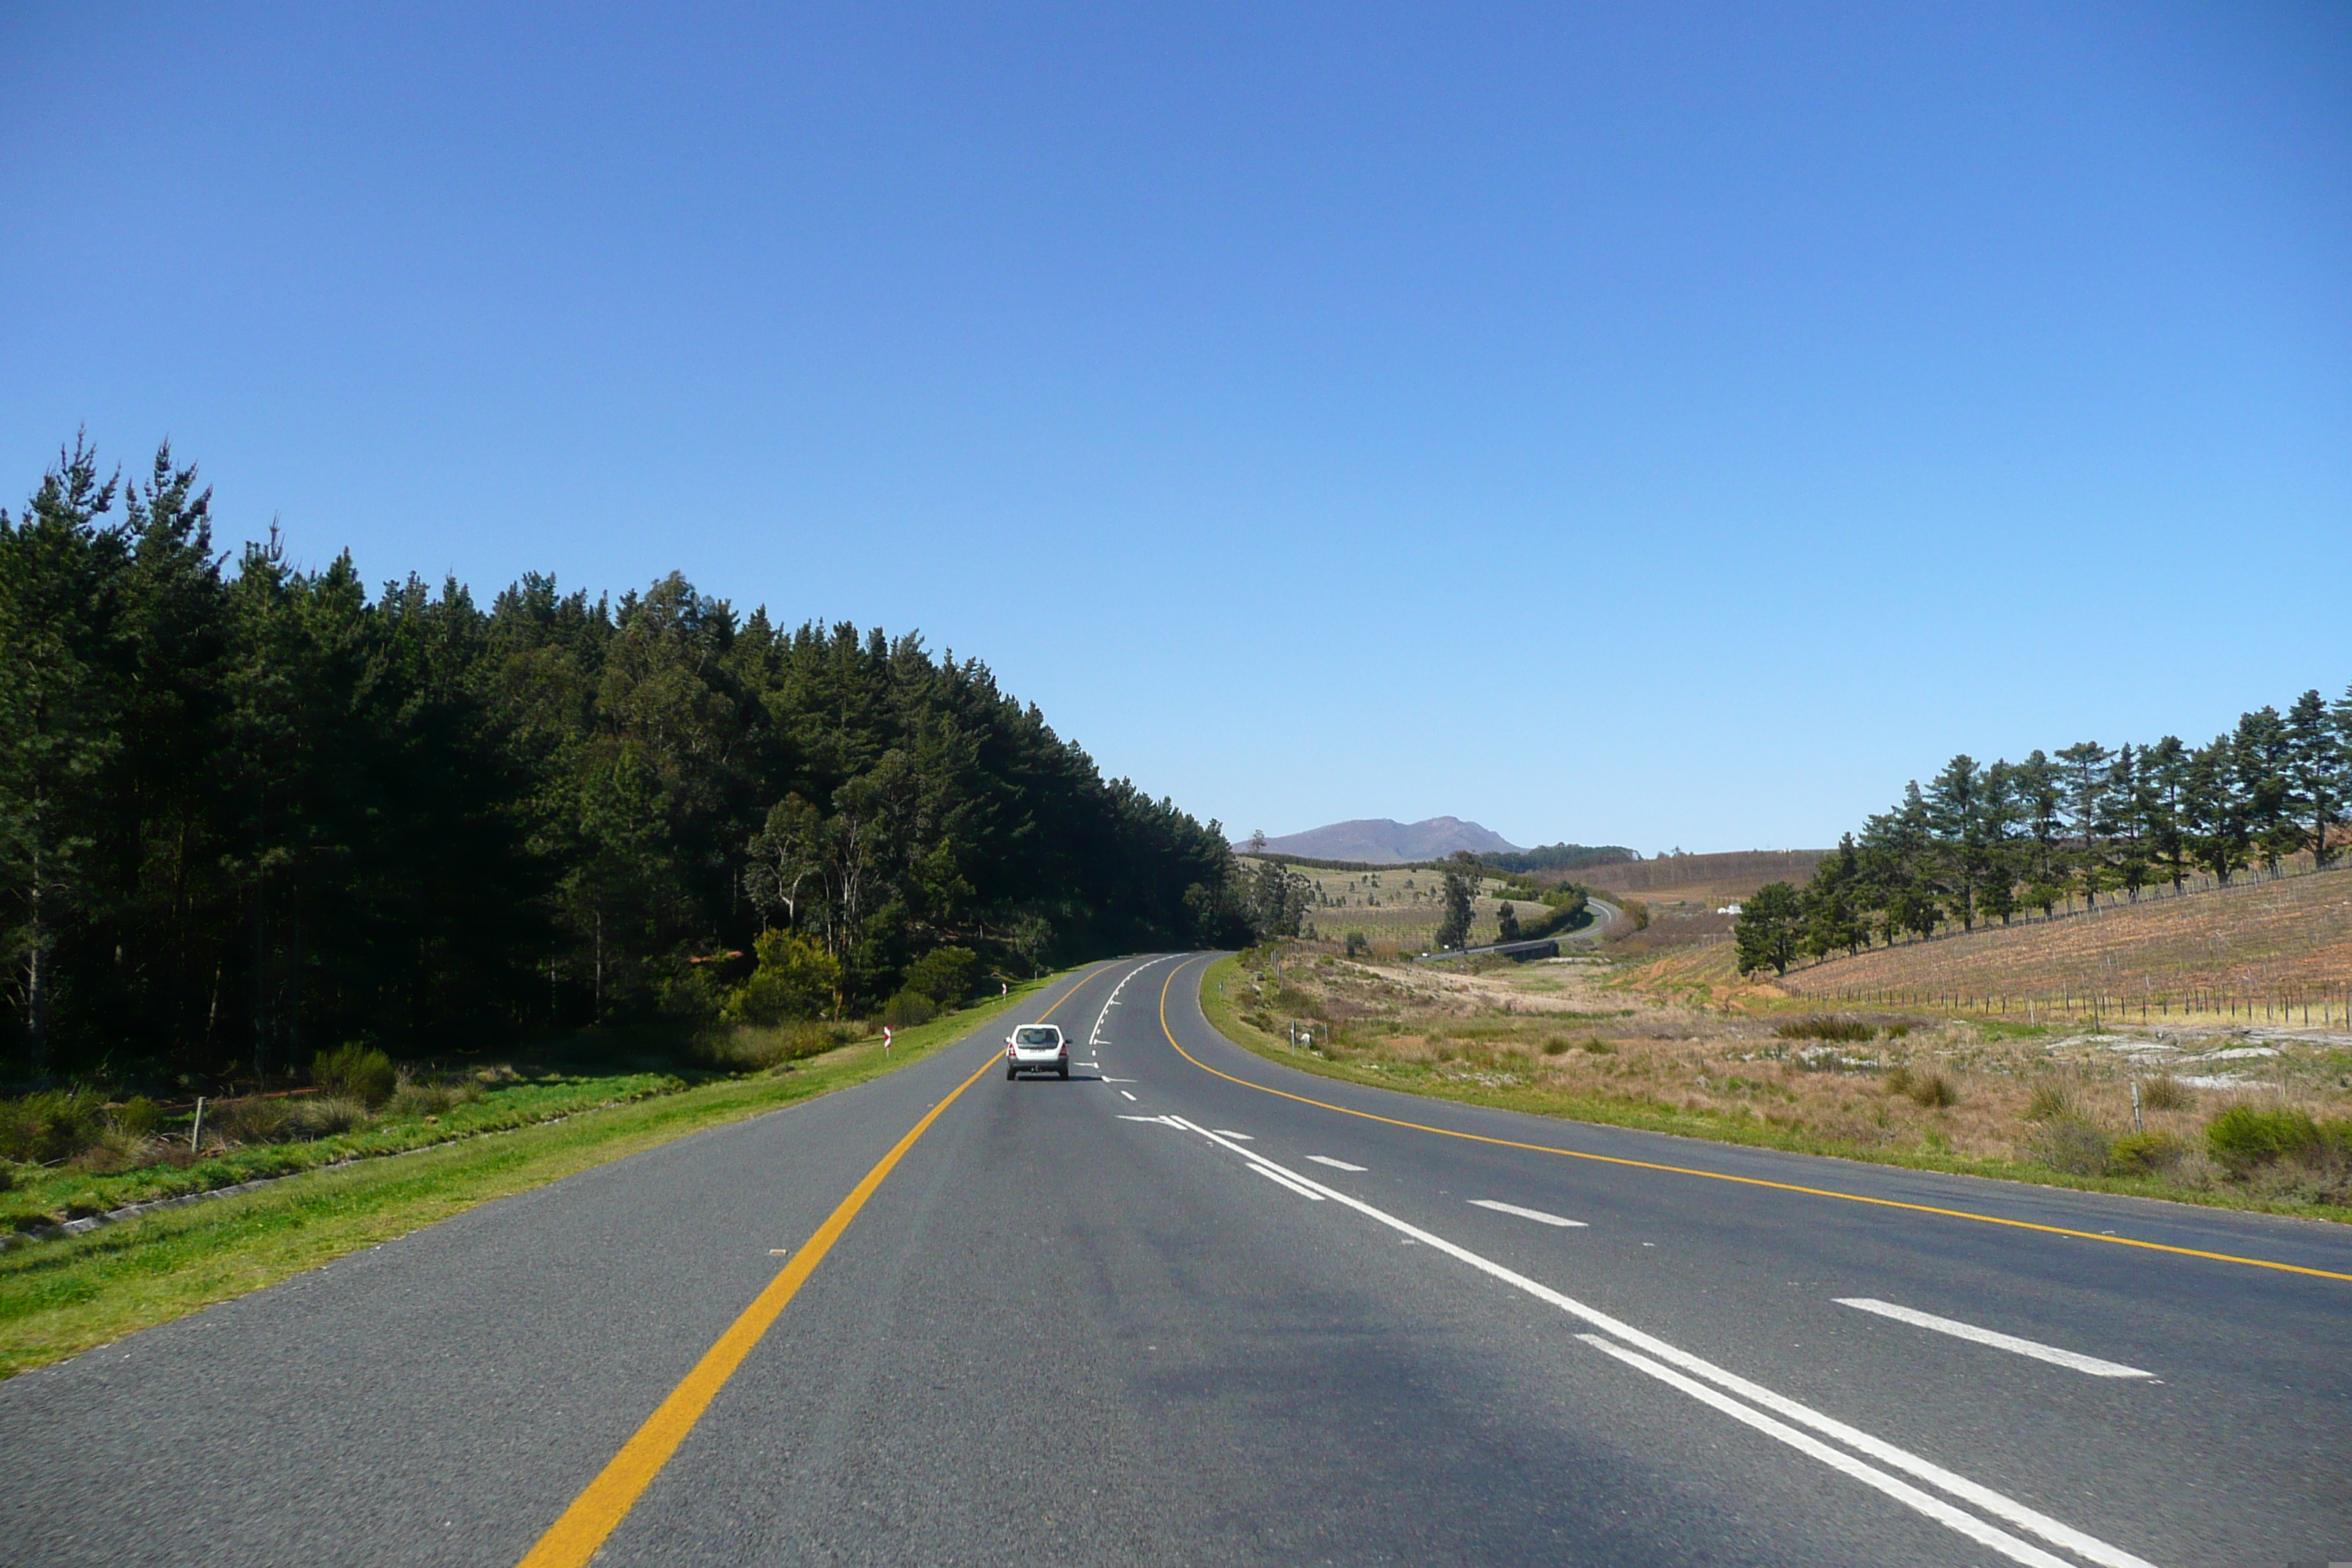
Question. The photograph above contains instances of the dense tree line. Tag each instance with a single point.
(249, 812)
(1558, 858)
(1983, 844)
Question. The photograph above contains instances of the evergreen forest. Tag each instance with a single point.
(250, 813)
(1985, 844)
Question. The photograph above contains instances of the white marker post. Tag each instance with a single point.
(886, 1040)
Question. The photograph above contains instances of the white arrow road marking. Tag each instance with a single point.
(2007, 1509)
(1959, 1330)
(1536, 1215)
(1161, 1120)
(1334, 1164)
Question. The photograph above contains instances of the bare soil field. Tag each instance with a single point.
(2268, 949)
(1710, 880)
(1681, 1044)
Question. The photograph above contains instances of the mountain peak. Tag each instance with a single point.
(1380, 841)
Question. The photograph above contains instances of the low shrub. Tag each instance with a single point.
(909, 1008)
(328, 1114)
(136, 1118)
(1598, 1047)
(2145, 1153)
(755, 1050)
(2052, 1103)
(2243, 1139)
(1821, 1028)
(1932, 1090)
(2071, 1144)
(1358, 944)
(355, 1071)
(254, 1121)
(2166, 1093)
(1558, 1045)
(41, 1129)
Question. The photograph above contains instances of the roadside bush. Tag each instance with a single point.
(2243, 1139)
(2052, 1103)
(2166, 1093)
(356, 1072)
(328, 1114)
(909, 1008)
(1820, 1027)
(1599, 1047)
(795, 979)
(254, 1121)
(136, 1118)
(2071, 1144)
(1559, 1046)
(2145, 1153)
(1358, 944)
(1932, 1091)
(945, 974)
(43, 1128)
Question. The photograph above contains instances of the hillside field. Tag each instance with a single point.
(2269, 945)
(1697, 878)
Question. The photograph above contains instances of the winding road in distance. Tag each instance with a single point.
(1194, 1307)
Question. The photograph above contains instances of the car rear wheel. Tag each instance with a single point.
(1065, 1072)
(1012, 1071)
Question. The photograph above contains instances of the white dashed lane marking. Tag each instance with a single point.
(1129, 1096)
(1334, 1164)
(1536, 1215)
(1959, 1330)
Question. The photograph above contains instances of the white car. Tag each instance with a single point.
(1039, 1046)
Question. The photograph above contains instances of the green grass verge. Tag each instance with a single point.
(1648, 1116)
(52, 1196)
(63, 1296)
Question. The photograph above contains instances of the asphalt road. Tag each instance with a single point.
(1156, 1315)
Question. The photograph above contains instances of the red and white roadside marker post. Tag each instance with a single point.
(886, 1040)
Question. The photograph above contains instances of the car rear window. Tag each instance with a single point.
(1034, 1036)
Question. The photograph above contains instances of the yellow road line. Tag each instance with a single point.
(601, 1506)
(1720, 1176)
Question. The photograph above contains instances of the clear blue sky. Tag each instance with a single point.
(1662, 425)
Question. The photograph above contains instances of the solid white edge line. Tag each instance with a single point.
(1272, 1174)
(1959, 1330)
(2064, 1534)
(1935, 1508)
(1334, 1164)
(1536, 1215)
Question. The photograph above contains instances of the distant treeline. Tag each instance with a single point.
(1558, 858)
(1982, 843)
(247, 814)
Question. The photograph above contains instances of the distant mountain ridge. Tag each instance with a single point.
(1380, 841)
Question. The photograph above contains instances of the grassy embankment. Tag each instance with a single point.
(1593, 1042)
(61, 1296)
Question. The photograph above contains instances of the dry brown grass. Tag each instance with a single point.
(2272, 944)
(1683, 1045)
